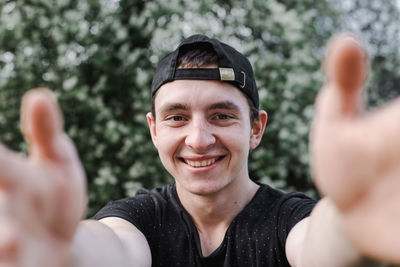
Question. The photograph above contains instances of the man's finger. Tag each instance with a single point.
(13, 168)
(8, 239)
(42, 124)
(383, 134)
(346, 71)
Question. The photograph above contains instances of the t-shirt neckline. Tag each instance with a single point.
(220, 249)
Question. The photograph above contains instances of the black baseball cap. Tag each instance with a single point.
(233, 67)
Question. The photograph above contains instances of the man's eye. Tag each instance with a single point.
(222, 117)
(176, 118)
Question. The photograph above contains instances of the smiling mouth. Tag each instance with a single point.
(201, 163)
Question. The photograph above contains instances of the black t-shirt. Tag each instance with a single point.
(255, 237)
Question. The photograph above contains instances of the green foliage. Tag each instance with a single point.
(95, 56)
(377, 24)
(99, 56)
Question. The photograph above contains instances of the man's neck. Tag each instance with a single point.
(209, 211)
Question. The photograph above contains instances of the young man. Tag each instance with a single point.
(204, 122)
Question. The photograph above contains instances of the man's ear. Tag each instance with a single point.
(151, 121)
(257, 129)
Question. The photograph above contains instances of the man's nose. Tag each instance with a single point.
(200, 135)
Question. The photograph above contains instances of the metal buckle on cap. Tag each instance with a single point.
(244, 80)
(227, 74)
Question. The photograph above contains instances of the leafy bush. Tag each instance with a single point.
(99, 58)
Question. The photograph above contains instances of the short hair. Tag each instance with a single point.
(199, 58)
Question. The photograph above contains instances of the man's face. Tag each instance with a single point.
(203, 134)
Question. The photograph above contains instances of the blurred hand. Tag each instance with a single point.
(356, 155)
(43, 196)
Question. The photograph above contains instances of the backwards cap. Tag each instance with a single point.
(233, 67)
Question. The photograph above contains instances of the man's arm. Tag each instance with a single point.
(355, 163)
(109, 242)
(321, 240)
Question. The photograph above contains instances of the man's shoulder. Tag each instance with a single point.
(266, 193)
(145, 201)
(285, 205)
(160, 196)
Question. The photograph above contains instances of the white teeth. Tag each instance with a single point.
(201, 163)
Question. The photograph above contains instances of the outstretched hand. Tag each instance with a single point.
(43, 196)
(356, 154)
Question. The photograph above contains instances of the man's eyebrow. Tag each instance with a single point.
(224, 105)
(173, 106)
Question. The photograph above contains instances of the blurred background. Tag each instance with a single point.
(99, 56)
